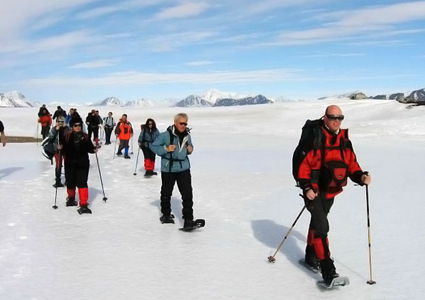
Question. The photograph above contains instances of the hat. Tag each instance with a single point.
(75, 121)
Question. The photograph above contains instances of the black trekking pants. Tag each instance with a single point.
(94, 130)
(184, 183)
(319, 209)
(108, 131)
(76, 175)
(148, 153)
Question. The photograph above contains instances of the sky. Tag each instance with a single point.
(87, 50)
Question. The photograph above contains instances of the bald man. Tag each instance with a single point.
(322, 175)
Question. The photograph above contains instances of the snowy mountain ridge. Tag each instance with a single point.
(14, 99)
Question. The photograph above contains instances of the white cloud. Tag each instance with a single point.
(53, 43)
(183, 10)
(138, 78)
(101, 63)
(352, 23)
(198, 63)
(321, 55)
(118, 7)
(169, 42)
(17, 14)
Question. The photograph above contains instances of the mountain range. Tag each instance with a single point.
(212, 98)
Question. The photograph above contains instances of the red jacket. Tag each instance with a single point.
(124, 130)
(326, 170)
(45, 120)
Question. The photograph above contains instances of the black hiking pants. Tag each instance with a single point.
(76, 174)
(93, 130)
(108, 131)
(184, 183)
(319, 209)
(148, 153)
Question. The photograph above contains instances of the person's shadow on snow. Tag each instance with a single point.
(176, 208)
(8, 171)
(94, 195)
(272, 234)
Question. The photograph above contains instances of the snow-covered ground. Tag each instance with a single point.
(243, 187)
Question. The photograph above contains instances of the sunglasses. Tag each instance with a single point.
(76, 125)
(183, 123)
(334, 118)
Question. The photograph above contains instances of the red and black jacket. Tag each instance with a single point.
(326, 169)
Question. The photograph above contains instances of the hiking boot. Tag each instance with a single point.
(58, 184)
(311, 259)
(71, 202)
(84, 210)
(119, 153)
(167, 219)
(189, 223)
(154, 173)
(328, 270)
(127, 156)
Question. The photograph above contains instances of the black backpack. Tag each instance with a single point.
(311, 138)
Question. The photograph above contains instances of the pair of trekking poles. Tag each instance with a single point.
(272, 258)
(101, 182)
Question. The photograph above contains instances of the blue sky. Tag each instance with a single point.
(87, 50)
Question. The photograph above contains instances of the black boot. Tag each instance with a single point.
(119, 153)
(165, 219)
(71, 202)
(328, 270)
(189, 223)
(84, 210)
(311, 259)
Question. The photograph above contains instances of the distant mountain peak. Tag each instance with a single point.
(110, 101)
(14, 99)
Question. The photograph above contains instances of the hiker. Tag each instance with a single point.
(59, 112)
(75, 147)
(147, 136)
(56, 135)
(124, 131)
(108, 125)
(322, 174)
(93, 123)
(3, 138)
(174, 145)
(45, 120)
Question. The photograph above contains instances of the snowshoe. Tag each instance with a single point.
(167, 219)
(334, 283)
(84, 210)
(71, 202)
(190, 225)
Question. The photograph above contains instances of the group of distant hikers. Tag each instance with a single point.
(322, 162)
(70, 145)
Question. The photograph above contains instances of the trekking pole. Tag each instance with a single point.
(100, 175)
(36, 135)
(137, 161)
(370, 281)
(132, 146)
(115, 147)
(271, 258)
(56, 196)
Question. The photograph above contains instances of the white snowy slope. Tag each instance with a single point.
(14, 99)
(243, 187)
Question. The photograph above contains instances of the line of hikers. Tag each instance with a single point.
(322, 162)
(71, 146)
